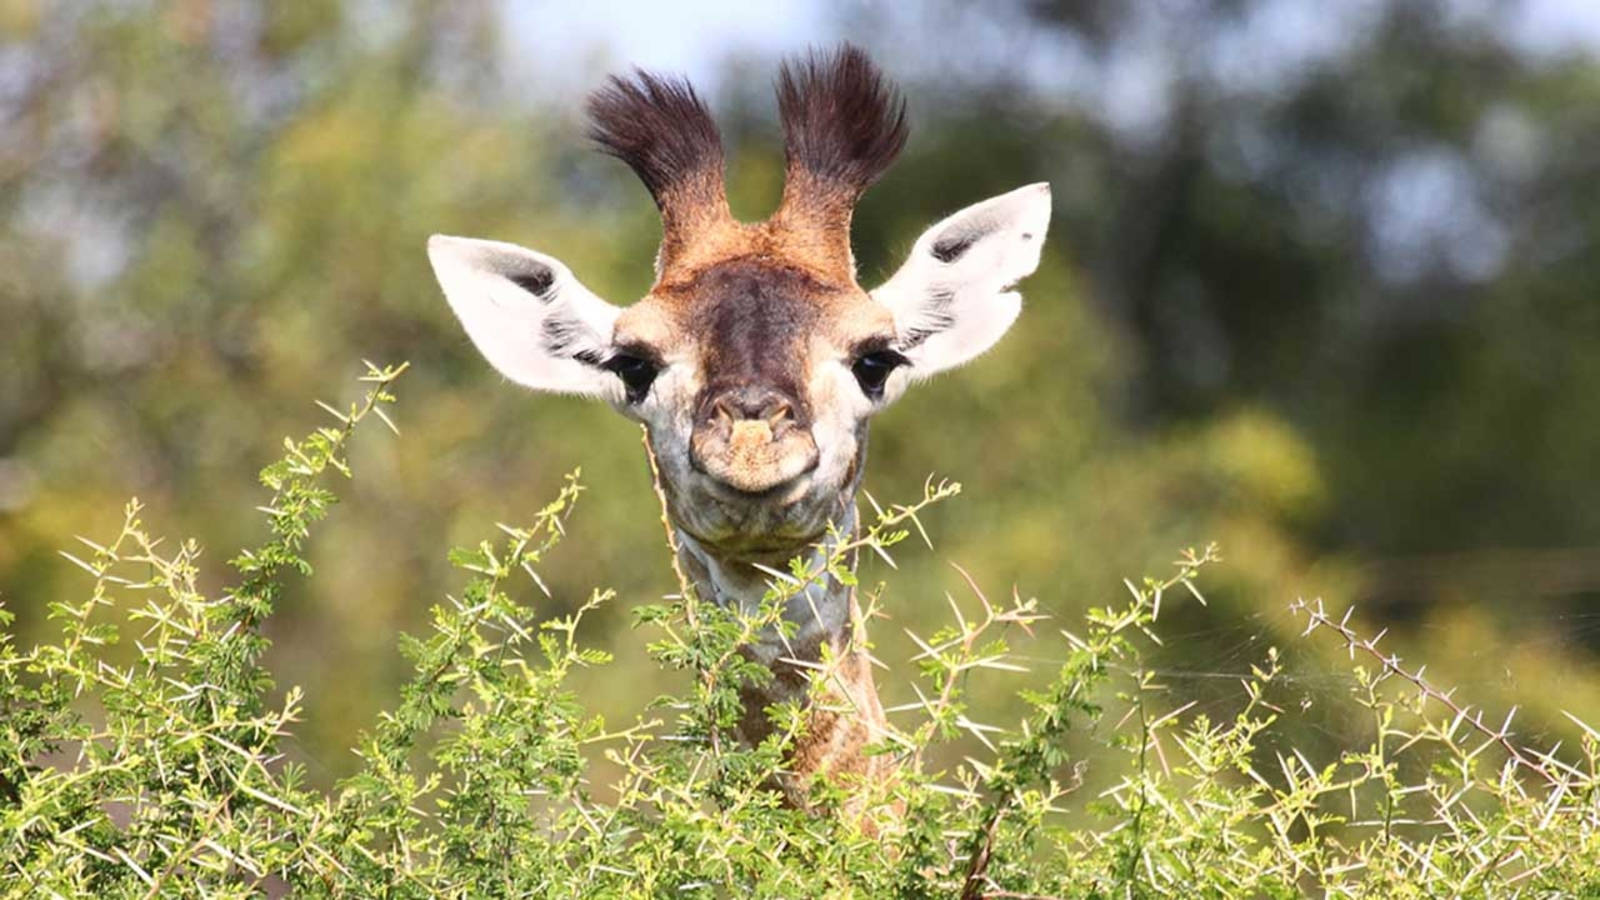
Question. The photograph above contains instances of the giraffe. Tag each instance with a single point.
(755, 361)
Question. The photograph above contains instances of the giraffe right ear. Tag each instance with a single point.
(952, 299)
(527, 314)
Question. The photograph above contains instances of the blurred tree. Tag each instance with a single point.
(1393, 246)
(1377, 221)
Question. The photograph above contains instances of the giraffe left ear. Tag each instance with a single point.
(952, 300)
(528, 316)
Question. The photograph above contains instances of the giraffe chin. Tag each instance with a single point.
(771, 484)
(776, 524)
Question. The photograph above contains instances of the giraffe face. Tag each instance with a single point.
(756, 360)
(755, 382)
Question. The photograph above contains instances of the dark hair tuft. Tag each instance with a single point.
(658, 126)
(842, 120)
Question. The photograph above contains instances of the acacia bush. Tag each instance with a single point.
(160, 770)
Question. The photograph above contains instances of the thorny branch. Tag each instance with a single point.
(1317, 617)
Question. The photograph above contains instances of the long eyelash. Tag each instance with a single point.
(895, 357)
(870, 346)
(639, 351)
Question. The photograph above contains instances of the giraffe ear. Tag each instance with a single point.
(952, 300)
(527, 314)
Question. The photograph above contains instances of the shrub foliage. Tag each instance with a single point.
(142, 753)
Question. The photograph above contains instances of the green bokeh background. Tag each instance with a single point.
(1339, 317)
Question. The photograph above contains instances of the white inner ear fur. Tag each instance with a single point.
(528, 316)
(951, 299)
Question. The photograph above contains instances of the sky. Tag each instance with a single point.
(563, 50)
(568, 41)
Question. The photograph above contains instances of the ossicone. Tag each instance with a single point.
(661, 128)
(843, 121)
(843, 124)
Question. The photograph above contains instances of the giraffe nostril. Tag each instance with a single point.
(778, 414)
(752, 405)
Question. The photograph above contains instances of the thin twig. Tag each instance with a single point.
(666, 523)
(1318, 618)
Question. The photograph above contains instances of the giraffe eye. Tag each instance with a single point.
(637, 374)
(872, 370)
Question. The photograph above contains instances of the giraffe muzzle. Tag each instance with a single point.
(752, 441)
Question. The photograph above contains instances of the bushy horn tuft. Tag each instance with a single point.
(843, 122)
(661, 129)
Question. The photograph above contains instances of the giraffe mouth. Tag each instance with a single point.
(747, 461)
(747, 484)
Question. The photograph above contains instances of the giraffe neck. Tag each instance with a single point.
(820, 611)
(825, 613)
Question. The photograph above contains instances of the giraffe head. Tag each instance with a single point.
(755, 360)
